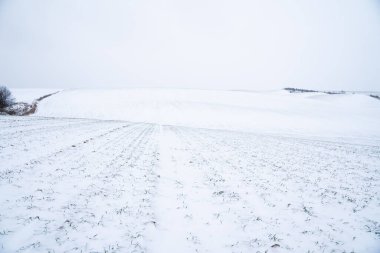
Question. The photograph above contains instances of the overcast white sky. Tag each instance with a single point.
(211, 44)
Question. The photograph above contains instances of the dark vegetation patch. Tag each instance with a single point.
(9, 107)
(297, 90)
(374, 96)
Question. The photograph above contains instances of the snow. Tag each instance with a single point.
(163, 170)
(266, 112)
(29, 95)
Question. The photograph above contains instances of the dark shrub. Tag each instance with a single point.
(6, 98)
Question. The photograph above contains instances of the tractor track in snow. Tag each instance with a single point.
(87, 174)
(87, 137)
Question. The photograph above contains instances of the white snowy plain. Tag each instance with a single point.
(159, 170)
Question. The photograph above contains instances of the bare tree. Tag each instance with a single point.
(6, 98)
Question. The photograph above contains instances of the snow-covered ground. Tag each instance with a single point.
(29, 95)
(348, 115)
(198, 171)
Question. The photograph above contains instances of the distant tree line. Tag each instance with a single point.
(297, 90)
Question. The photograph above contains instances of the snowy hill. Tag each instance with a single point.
(301, 174)
(29, 95)
(318, 114)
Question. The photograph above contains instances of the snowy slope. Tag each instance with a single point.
(29, 95)
(270, 112)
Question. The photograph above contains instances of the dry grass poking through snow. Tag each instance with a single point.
(78, 185)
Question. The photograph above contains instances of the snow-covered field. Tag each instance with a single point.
(29, 95)
(202, 172)
(317, 114)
